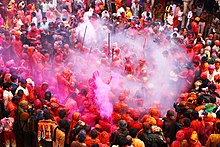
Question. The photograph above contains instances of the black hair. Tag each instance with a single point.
(94, 134)
(20, 92)
(6, 85)
(7, 113)
(62, 113)
(95, 145)
(33, 24)
(23, 81)
(83, 92)
(46, 114)
(186, 122)
(33, 14)
(199, 100)
(81, 136)
(133, 132)
(16, 99)
(218, 114)
(195, 114)
(218, 125)
(47, 95)
(212, 100)
(64, 124)
(199, 39)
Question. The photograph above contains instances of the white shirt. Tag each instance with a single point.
(173, 6)
(7, 96)
(50, 5)
(180, 15)
(39, 15)
(26, 92)
(44, 7)
(44, 26)
(34, 20)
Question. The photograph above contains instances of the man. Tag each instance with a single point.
(23, 86)
(120, 134)
(81, 139)
(33, 34)
(148, 137)
(186, 128)
(45, 129)
(7, 126)
(17, 45)
(135, 141)
(93, 138)
(214, 139)
(44, 24)
(169, 127)
(202, 22)
(34, 18)
(195, 26)
(14, 80)
(7, 95)
(59, 135)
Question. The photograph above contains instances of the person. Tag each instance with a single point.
(180, 141)
(202, 22)
(22, 86)
(194, 140)
(33, 34)
(214, 139)
(7, 127)
(135, 141)
(80, 141)
(7, 95)
(93, 138)
(118, 136)
(14, 80)
(27, 129)
(34, 19)
(186, 128)
(148, 137)
(45, 129)
(64, 125)
(17, 21)
(169, 127)
(17, 45)
(195, 26)
(44, 24)
(59, 134)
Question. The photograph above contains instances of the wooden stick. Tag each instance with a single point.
(109, 39)
(84, 36)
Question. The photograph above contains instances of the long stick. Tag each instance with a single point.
(84, 36)
(109, 39)
(113, 54)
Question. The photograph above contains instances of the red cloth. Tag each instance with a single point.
(33, 34)
(17, 47)
(195, 27)
(105, 125)
(205, 132)
(196, 125)
(187, 132)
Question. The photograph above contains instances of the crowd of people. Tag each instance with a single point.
(53, 54)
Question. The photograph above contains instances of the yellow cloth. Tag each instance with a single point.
(137, 142)
(60, 138)
(6, 23)
(167, 12)
(45, 129)
(128, 14)
(213, 140)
